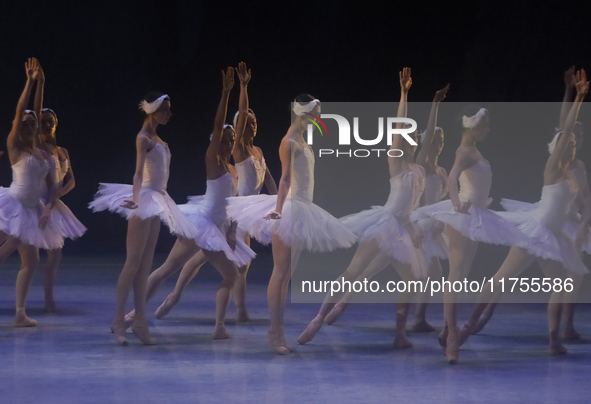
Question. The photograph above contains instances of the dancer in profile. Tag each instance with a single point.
(385, 233)
(144, 204)
(252, 175)
(289, 219)
(61, 167)
(555, 237)
(467, 218)
(216, 233)
(26, 222)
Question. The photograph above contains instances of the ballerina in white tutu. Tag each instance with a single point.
(385, 233)
(556, 229)
(216, 235)
(289, 219)
(61, 168)
(252, 175)
(26, 222)
(144, 204)
(467, 219)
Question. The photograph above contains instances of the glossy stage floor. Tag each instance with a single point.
(71, 357)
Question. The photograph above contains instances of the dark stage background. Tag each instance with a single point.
(101, 58)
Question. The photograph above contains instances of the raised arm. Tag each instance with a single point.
(423, 155)
(405, 83)
(38, 104)
(244, 76)
(554, 161)
(31, 68)
(220, 117)
(285, 154)
(569, 90)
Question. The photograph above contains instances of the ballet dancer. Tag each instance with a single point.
(144, 204)
(61, 167)
(385, 233)
(556, 229)
(467, 217)
(216, 241)
(252, 175)
(289, 219)
(26, 223)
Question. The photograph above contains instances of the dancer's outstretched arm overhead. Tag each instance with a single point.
(213, 162)
(395, 163)
(244, 76)
(423, 156)
(569, 90)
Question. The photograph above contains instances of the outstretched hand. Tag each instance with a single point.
(228, 79)
(32, 69)
(129, 204)
(244, 75)
(581, 83)
(405, 79)
(463, 207)
(441, 94)
(272, 215)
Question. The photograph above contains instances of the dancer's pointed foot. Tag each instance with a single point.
(442, 337)
(421, 325)
(22, 320)
(310, 331)
(50, 306)
(129, 318)
(143, 333)
(277, 340)
(119, 330)
(571, 335)
(402, 342)
(220, 331)
(166, 306)
(556, 348)
(452, 348)
(336, 312)
(242, 315)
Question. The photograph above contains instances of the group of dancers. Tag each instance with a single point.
(413, 231)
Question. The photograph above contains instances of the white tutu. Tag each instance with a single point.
(22, 223)
(66, 223)
(570, 226)
(393, 239)
(211, 237)
(151, 203)
(433, 246)
(303, 224)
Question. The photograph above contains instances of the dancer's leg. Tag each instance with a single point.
(404, 270)
(229, 273)
(239, 291)
(29, 262)
(189, 271)
(568, 308)
(282, 257)
(554, 270)
(9, 246)
(53, 260)
(420, 323)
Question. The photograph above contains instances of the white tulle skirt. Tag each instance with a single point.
(65, 221)
(436, 246)
(303, 224)
(22, 223)
(481, 224)
(212, 237)
(392, 237)
(151, 203)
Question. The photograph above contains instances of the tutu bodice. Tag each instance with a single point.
(475, 183)
(251, 173)
(28, 181)
(406, 189)
(435, 189)
(302, 175)
(555, 205)
(61, 168)
(214, 200)
(156, 168)
(580, 177)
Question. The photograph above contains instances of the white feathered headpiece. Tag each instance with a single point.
(470, 122)
(301, 109)
(151, 107)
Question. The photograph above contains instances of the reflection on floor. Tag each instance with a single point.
(71, 357)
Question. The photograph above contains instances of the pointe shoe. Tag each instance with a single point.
(571, 335)
(420, 325)
(50, 306)
(220, 332)
(310, 331)
(336, 312)
(556, 348)
(401, 342)
(143, 333)
(452, 349)
(22, 320)
(120, 336)
(166, 306)
(277, 340)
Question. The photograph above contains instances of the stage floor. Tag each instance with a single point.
(71, 356)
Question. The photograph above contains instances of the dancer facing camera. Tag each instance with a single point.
(289, 219)
(144, 204)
